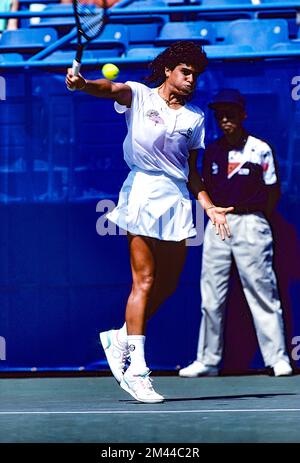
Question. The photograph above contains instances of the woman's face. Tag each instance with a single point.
(182, 79)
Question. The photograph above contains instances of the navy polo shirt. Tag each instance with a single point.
(242, 176)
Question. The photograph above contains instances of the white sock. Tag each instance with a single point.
(137, 353)
(122, 335)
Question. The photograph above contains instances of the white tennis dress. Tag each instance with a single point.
(154, 200)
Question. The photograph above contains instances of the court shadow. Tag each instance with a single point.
(220, 397)
(229, 397)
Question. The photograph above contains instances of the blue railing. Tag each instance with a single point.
(120, 9)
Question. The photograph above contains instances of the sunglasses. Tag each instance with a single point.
(228, 113)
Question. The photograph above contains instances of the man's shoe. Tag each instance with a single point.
(198, 369)
(139, 385)
(282, 368)
(116, 353)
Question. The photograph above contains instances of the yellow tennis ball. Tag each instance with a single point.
(110, 71)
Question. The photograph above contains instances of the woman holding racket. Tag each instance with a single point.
(164, 134)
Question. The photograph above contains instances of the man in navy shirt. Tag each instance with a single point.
(239, 170)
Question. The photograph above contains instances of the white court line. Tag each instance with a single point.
(136, 412)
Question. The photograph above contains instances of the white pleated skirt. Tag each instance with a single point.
(154, 205)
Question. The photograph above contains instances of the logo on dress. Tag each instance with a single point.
(154, 116)
(188, 133)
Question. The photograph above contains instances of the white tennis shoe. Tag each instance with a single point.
(198, 369)
(139, 385)
(116, 353)
(282, 368)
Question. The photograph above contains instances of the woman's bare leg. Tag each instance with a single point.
(156, 267)
(170, 258)
(143, 275)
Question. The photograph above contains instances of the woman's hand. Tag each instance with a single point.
(75, 82)
(218, 219)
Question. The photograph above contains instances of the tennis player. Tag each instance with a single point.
(165, 132)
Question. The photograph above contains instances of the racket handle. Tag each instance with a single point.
(75, 69)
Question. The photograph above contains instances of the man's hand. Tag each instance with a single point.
(217, 216)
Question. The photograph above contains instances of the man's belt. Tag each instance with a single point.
(247, 210)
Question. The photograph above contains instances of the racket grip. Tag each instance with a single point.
(75, 69)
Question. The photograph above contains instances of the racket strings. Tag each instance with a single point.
(90, 18)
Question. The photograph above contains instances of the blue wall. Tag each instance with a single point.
(60, 282)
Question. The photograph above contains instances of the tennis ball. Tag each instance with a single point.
(110, 71)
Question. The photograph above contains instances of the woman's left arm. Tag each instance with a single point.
(197, 187)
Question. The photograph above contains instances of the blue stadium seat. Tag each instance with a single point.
(143, 33)
(63, 24)
(261, 34)
(27, 39)
(223, 51)
(147, 53)
(57, 7)
(221, 29)
(11, 58)
(201, 31)
(143, 30)
(57, 22)
(67, 56)
(293, 45)
(113, 37)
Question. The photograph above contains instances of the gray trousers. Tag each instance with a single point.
(251, 246)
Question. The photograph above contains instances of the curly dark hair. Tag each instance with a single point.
(183, 51)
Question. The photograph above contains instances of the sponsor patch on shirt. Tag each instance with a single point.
(244, 171)
(214, 168)
(233, 168)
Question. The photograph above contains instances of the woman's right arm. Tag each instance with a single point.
(101, 88)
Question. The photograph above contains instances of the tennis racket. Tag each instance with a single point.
(90, 21)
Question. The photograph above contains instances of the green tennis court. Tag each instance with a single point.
(231, 409)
